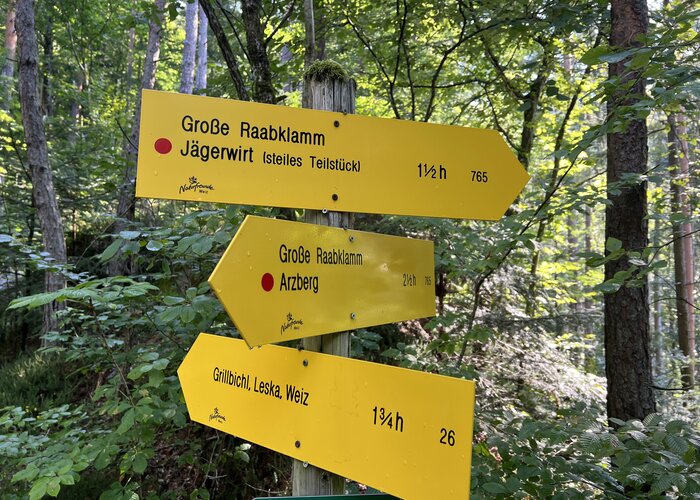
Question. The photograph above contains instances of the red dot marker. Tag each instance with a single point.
(267, 282)
(163, 146)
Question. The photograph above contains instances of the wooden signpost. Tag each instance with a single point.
(281, 280)
(222, 150)
(404, 432)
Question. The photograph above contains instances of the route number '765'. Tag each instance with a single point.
(479, 176)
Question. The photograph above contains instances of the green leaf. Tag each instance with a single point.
(131, 247)
(613, 244)
(67, 479)
(27, 474)
(127, 422)
(202, 245)
(607, 287)
(661, 485)
(677, 217)
(676, 444)
(242, 456)
(187, 314)
(593, 55)
(102, 460)
(222, 237)
(495, 488)
(129, 235)
(39, 489)
(64, 466)
(637, 436)
(139, 370)
(652, 419)
(155, 378)
(675, 426)
(161, 364)
(391, 353)
(154, 245)
(591, 442)
(53, 487)
(513, 484)
(171, 301)
(139, 464)
(636, 479)
(112, 249)
(170, 314)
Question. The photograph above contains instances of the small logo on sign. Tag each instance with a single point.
(291, 323)
(196, 186)
(217, 416)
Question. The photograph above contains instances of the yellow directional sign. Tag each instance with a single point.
(281, 280)
(222, 150)
(404, 432)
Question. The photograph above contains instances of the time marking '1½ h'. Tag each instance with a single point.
(430, 172)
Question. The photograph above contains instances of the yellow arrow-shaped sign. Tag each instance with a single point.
(281, 280)
(404, 432)
(222, 150)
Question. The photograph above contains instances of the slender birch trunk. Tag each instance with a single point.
(43, 190)
(200, 80)
(189, 49)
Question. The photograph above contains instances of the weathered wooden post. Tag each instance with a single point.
(326, 87)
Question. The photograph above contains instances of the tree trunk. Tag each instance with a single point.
(309, 34)
(657, 302)
(682, 245)
(329, 95)
(8, 69)
(75, 107)
(226, 50)
(129, 68)
(200, 82)
(189, 48)
(46, 97)
(263, 91)
(126, 208)
(627, 357)
(38, 154)
(320, 30)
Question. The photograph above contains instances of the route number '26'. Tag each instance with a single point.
(447, 436)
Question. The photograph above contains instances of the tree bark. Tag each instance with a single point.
(75, 107)
(38, 155)
(627, 357)
(126, 208)
(226, 50)
(8, 69)
(309, 34)
(658, 321)
(189, 49)
(46, 97)
(263, 90)
(682, 245)
(329, 95)
(200, 81)
(320, 30)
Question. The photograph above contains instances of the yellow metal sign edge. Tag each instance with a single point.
(404, 432)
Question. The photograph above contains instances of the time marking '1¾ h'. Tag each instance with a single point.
(390, 419)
